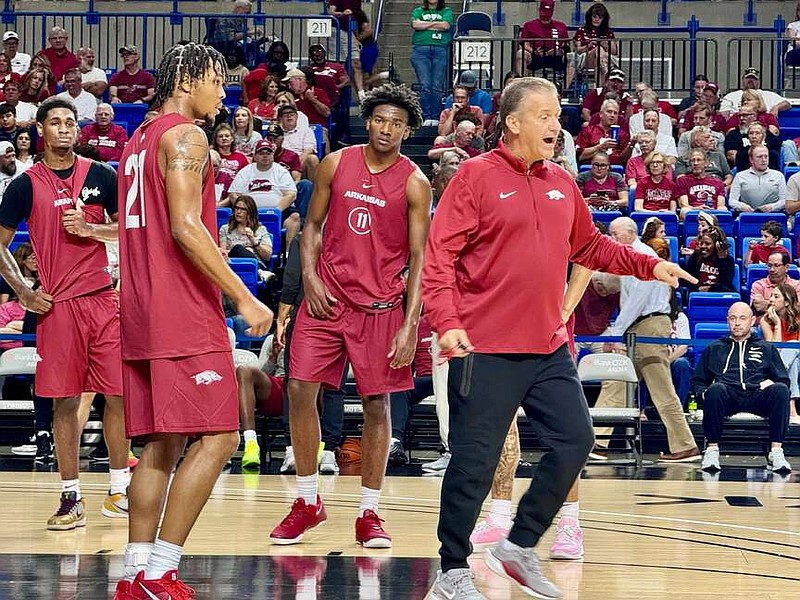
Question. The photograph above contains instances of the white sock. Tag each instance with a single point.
(136, 557)
(44, 430)
(500, 512)
(369, 500)
(164, 557)
(249, 434)
(71, 485)
(307, 488)
(120, 480)
(570, 510)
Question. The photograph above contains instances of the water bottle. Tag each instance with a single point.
(555, 40)
(692, 406)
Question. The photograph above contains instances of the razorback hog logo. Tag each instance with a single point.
(206, 377)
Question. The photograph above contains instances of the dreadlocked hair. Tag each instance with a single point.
(396, 95)
(188, 59)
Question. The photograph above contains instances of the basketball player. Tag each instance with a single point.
(501, 210)
(375, 206)
(65, 199)
(177, 364)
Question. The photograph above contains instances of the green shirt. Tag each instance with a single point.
(432, 37)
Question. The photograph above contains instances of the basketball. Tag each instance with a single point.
(350, 452)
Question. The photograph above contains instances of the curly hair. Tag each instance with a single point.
(396, 95)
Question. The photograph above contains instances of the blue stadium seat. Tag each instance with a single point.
(271, 219)
(789, 171)
(759, 271)
(124, 124)
(20, 237)
(749, 224)
(223, 216)
(23, 226)
(317, 129)
(247, 270)
(737, 276)
(670, 221)
(605, 217)
(581, 168)
(710, 307)
(785, 242)
(732, 246)
(724, 217)
(710, 331)
(673, 248)
(618, 169)
(132, 114)
(233, 96)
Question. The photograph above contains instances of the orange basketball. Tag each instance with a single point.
(350, 452)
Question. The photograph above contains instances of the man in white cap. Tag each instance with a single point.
(310, 100)
(10, 167)
(20, 62)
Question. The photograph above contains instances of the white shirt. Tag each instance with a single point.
(731, 102)
(25, 111)
(299, 138)
(639, 298)
(636, 124)
(664, 144)
(20, 63)
(683, 141)
(793, 27)
(266, 187)
(94, 74)
(7, 179)
(86, 104)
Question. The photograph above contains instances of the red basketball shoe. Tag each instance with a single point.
(167, 587)
(124, 591)
(300, 519)
(370, 532)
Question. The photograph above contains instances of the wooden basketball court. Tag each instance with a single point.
(669, 535)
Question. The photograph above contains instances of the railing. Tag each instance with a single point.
(156, 33)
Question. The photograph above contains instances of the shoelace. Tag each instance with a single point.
(373, 521)
(298, 513)
(67, 504)
(568, 530)
(464, 583)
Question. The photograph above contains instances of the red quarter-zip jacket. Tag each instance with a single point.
(497, 253)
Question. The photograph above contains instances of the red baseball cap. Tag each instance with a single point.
(265, 145)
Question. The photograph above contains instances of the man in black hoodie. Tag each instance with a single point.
(742, 374)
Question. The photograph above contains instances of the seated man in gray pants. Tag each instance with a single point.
(739, 373)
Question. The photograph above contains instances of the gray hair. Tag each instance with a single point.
(106, 105)
(609, 101)
(625, 223)
(700, 129)
(517, 90)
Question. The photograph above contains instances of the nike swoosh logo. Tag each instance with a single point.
(64, 191)
(366, 187)
(504, 195)
(150, 594)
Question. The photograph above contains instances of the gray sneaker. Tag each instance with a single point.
(711, 460)
(456, 584)
(437, 466)
(288, 466)
(520, 565)
(778, 461)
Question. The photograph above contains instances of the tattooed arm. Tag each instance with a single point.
(503, 482)
(184, 161)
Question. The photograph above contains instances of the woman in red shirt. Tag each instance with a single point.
(594, 44)
(264, 106)
(655, 193)
(34, 87)
(231, 162)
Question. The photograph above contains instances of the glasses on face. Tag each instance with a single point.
(600, 165)
(239, 209)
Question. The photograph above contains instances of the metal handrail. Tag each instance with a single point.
(379, 21)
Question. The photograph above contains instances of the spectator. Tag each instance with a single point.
(664, 143)
(717, 166)
(717, 122)
(615, 85)
(290, 160)
(329, 75)
(751, 80)
(25, 111)
(758, 252)
(432, 23)
(243, 236)
(8, 123)
(654, 229)
(793, 35)
(231, 161)
(712, 264)
(701, 117)
(20, 62)
(40, 61)
(594, 139)
(26, 261)
(365, 59)
(10, 167)
(276, 58)
(460, 141)
(244, 136)
(265, 104)
(312, 101)
(93, 78)
(634, 168)
(6, 74)
(477, 97)
(237, 71)
(793, 196)
(753, 99)
(705, 222)
(648, 99)
(74, 92)
(697, 189)
(270, 185)
(60, 57)
(777, 274)
(234, 32)
(698, 85)
(460, 105)
(564, 156)
(103, 134)
(23, 148)
(131, 85)
(595, 47)
(300, 139)
(603, 189)
(544, 43)
(759, 188)
(34, 87)
(756, 135)
(741, 374)
(593, 313)
(655, 193)
(781, 323)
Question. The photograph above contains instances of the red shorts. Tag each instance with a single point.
(273, 404)
(321, 348)
(79, 344)
(186, 394)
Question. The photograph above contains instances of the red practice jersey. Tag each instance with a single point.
(168, 308)
(365, 241)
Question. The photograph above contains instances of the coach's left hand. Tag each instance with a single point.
(669, 273)
(404, 346)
